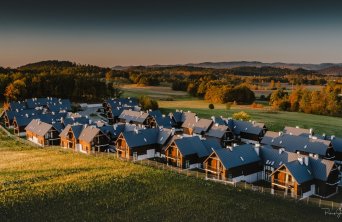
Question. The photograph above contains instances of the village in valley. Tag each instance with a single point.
(295, 161)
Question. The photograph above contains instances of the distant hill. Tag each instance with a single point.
(228, 65)
(48, 64)
(334, 70)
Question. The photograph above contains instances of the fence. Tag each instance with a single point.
(202, 175)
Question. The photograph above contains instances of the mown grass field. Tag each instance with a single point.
(53, 184)
(274, 120)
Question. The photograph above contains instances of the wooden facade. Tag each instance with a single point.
(98, 143)
(51, 138)
(174, 157)
(69, 141)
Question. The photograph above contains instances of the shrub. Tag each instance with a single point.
(211, 106)
(241, 116)
(147, 103)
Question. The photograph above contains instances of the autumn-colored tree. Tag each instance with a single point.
(16, 90)
(241, 116)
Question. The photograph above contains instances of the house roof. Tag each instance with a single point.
(202, 125)
(296, 131)
(300, 172)
(133, 116)
(218, 120)
(298, 143)
(38, 127)
(73, 120)
(88, 133)
(76, 129)
(144, 137)
(217, 131)
(320, 168)
(122, 102)
(181, 117)
(59, 105)
(17, 105)
(238, 126)
(193, 145)
(337, 144)
(237, 156)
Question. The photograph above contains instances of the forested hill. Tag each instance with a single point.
(55, 65)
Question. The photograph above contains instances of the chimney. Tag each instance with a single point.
(230, 148)
(114, 126)
(311, 131)
(306, 161)
(163, 115)
(234, 144)
(196, 117)
(136, 130)
(85, 126)
(297, 127)
(216, 124)
(172, 131)
(332, 137)
(300, 159)
(213, 118)
(280, 133)
(257, 148)
(281, 150)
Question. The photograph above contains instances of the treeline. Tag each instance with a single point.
(327, 101)
(67, 80)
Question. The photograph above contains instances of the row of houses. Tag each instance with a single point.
(294, 160)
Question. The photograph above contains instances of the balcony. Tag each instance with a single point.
(283, 183)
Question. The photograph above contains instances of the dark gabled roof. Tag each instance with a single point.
(116, 111)
(58, 126)
(155, 113)
(76, 129)
(217, 131)
(321, 168)
(38, 102)
(202, 125)
(237, 156)
(17, 105)
(218, 120)
(238, 126)
(72, 120)
(144, 137)
(133, 116)
(299, 143)
(60, 105)
(38, 127)
(296, 131)
(181, 117)
(211, 145)
(164, 121)
(193, 145)
(88, 133)
(337, 144)
(122, 102)
(23, 121)
(269, 136)
(276, 158)
(300, 172)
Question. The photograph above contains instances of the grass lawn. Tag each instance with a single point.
(53, 184)
(155, 92)
(273, 120)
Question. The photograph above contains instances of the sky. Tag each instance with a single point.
(137, 32)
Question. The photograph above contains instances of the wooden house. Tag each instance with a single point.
(92, 139)
(179, 117)
(70, 136)
(299, 144)
(220, 133)
(137, 118)
(297, 131)
(142, 144)
(43, 134)
(307, 176)
(239, 163)
(189, 152)
(247, 131)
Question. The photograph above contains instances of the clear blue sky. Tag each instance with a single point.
(133, 32)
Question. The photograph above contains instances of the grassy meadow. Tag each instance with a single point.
(53, 184)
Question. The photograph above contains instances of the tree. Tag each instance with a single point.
(272, 85)
(16, 90)
(241, 116)
(211, 106)
(147, 103)
(229, 105)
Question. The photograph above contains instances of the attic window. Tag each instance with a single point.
(242, 158)
(145, 140)
(280, 142)
(234, 127)
(281, 162)
(267, 162)
(246, 128)
(272, 163)
(161, 138)
(305, 146)
(272, 140)
(309, 171)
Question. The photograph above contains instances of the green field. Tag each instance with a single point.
(53, 184)
(274, 121)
